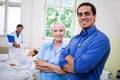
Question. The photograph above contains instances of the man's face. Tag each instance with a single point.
(86, 18)
(19, 29)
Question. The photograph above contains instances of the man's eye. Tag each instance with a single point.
(79, 14)
(87, 13)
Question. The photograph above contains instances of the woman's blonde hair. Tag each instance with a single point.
(58, 24)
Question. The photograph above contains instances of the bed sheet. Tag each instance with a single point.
(3, 57)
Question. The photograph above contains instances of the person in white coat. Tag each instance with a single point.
(19, 44)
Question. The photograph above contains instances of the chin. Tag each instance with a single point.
(85, 28)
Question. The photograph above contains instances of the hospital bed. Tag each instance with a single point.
(4, 57)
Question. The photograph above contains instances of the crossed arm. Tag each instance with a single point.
(47, 67)
(69, 66)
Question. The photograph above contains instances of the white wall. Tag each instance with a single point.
(107, 15)
(33, 18)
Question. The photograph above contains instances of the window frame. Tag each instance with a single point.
(61, 7)
(6, 4)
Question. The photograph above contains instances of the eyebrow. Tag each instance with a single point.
(80, 13)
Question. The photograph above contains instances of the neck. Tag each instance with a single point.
(57, 44)
(84, 29)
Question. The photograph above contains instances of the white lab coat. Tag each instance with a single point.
(13, 52)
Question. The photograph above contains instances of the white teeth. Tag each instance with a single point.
(84, 22)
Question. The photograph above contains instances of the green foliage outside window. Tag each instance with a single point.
(53, 15)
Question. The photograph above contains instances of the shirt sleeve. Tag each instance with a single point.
(98, 49)
(62, 60)
(41, 52)
(28, 62)
(65, 52)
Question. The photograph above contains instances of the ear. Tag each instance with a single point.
(94, 16)
(52, 32)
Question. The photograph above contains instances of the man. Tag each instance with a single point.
(86, 54)
(19, 44)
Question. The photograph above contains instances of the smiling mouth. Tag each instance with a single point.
(84, 21)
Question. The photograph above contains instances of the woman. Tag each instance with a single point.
(23, 59)
(48, 56)
(18, 70)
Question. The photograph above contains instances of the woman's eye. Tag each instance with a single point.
(61, 30)
(55, 30)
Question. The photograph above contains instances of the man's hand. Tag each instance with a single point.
(69, 59)
(69, 67)
(16, 45)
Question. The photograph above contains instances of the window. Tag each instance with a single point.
(60, 10)
(9, 15)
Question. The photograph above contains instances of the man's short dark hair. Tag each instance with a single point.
(93, 9)
(20, 25)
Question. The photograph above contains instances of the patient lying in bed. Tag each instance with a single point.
(19, 69)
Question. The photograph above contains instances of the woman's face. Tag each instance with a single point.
(31, 52)
(58, 33)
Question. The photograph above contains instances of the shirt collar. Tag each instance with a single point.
(52, 42)
(17, 33)
(88, 31)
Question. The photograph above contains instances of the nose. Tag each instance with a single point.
(83, 16)
(58, 32)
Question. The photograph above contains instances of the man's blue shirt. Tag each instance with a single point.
(90, 50)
